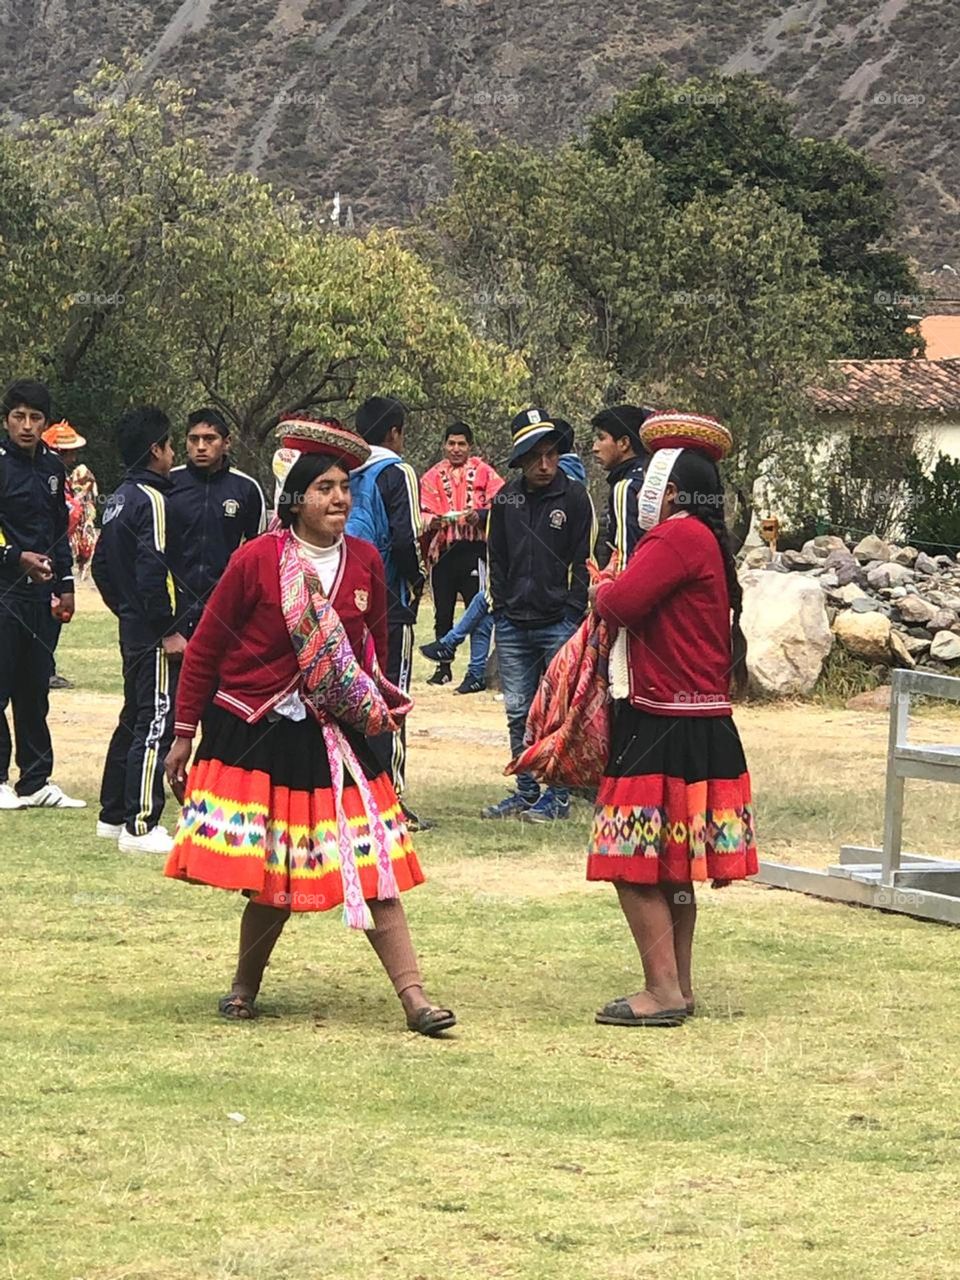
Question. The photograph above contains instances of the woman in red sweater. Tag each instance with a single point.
(674, 804)
(285, 800)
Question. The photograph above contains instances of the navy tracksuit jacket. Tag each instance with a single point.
(213, 512)
(133, 567)
(33, 517)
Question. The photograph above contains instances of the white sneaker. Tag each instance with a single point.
(157, 840)
(51, 797)
(109, 830)
(8, 797)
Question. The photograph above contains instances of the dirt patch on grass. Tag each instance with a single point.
(494, 877)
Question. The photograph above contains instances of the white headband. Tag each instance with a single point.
(283, 461)
(654, 486)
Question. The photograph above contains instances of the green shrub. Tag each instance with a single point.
(843, 676)
(933, 521)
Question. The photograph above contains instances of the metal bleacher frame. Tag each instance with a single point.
(913, 884)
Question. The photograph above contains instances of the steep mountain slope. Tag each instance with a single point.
(326, 95)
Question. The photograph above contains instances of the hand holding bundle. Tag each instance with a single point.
(568, 727)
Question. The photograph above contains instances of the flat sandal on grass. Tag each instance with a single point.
(619, 1014)
(237, 1008)
(431, 1022)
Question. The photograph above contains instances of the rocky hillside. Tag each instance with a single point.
(327, 95)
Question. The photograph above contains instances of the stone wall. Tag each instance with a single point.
(883, 603)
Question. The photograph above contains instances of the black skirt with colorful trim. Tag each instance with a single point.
(260, 815)
(674, 804)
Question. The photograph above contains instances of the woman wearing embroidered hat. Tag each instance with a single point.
(674, 805)
(66, 444)
(81, 494)
(285, 800)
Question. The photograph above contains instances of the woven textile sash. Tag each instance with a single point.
(567, 738)
(356, 913)
(655, 481)
(333, 682)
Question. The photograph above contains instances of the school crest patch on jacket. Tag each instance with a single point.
(361, 599)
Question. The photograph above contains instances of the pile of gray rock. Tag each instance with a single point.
(884, 603)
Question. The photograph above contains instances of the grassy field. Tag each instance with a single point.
(805, 1126)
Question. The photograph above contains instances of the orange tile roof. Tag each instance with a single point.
(871, 386)
(942, 336)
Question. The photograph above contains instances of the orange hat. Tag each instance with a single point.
(62, 436)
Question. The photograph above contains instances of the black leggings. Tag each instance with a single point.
(456, 573)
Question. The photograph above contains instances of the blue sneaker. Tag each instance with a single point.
(549, 808)
(512, 806)
(437, 651)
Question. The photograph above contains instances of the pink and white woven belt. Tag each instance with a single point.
(356, 913)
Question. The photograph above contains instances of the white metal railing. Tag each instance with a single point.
(911, 760)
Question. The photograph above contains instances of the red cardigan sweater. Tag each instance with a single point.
(242, 648)
(672, 597)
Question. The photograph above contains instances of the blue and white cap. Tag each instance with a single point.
(529, 428)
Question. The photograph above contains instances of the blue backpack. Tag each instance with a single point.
(368, 515)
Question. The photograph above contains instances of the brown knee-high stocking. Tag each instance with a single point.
(648, 915)
(390, 938)
(683, 909)
(260, 927)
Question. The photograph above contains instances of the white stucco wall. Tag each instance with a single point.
(944, 439)
(932, 441)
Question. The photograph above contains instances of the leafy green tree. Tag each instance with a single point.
(719, 305)
(745, 322)
(146, 275)
(505, 242)
(710, 135)
(327, 321)
(28, 254)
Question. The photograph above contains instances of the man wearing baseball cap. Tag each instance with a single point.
(537, 545)
(36, 593)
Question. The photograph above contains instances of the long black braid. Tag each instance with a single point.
(700, 492)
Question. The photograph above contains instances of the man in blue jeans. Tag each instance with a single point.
(476, 625)
(537, 548)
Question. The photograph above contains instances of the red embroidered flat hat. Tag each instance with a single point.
(674, 430)
(665, 436)
(300, 434)
(322, 435)
(61, 435)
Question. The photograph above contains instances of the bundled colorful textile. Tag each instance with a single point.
(568, 728)
(334, 685)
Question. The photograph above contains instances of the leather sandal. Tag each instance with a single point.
(619, 1014)
(237, 1008)
(430, 1021)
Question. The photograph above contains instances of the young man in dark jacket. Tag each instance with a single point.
(36, 593)
(214, 508)
(617, 448)
(537, 549)
(386, 511)
(132, 570)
